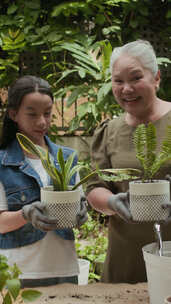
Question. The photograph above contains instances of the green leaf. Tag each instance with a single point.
(28, 145)
(7, 299)
(82, 73)
(88, 69)
(61, 162)
(65, 74)
(80, 53)
(32, 5)
(68, 167)
(84, 108)
(3, 278)
(87, 60)
(134, 23)
(104, 90)
(13, 286)
(75, 95)
(30, 295)
(144, 11)
(19, 38)
(145, 142)
(161, 60)
(100, 19)
(12, 9)
(168, 15)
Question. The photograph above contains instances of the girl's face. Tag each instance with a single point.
(34, 116)
(134, 87)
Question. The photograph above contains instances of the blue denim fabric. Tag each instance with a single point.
(22, 186)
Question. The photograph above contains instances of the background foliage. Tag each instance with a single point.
(71, 43)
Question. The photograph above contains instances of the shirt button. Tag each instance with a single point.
(23, 198)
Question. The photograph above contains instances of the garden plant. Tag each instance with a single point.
(10, 286)
(61, 177)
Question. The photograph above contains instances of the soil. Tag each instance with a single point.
(95, 293)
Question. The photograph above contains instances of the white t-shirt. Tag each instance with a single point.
(50, 257)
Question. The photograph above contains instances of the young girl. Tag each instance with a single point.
(28, 237)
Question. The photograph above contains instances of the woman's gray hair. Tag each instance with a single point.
(139, 49)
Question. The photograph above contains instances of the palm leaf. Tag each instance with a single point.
(79, 53)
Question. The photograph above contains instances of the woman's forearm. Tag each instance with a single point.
(98, 199)
(11, 220)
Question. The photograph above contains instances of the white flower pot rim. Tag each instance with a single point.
(157, 187)
(153, 181)
(51, 189)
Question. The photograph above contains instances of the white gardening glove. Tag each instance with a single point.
(36, 214)
(119, 203)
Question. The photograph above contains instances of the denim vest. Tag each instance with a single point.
(22, 186)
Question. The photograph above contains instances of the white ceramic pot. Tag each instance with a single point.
(158, 270)
(146, 199)
(84, 266)
(63, 205)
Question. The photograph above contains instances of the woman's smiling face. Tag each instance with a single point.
(134, 87)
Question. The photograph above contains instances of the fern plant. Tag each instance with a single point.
(61, 177)
(145, 142)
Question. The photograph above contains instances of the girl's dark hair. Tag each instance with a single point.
(21, 87)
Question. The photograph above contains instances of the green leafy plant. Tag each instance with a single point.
(89, 65)
(145, 141)
(10, 286)
(91, 242)
(62, 176)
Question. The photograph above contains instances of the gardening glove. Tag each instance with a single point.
(120, 204)
(82, 216)
(36, 214)
(167, 206)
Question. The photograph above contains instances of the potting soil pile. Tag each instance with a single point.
(95, 293)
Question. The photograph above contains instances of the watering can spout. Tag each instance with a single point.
(158, 235)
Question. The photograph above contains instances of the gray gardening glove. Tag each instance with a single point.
(82, 216)
(167, 206)
(35, 213)
(120, 204)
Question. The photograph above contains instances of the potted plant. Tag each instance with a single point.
(147, 194)
(10, 286)
(63, 200)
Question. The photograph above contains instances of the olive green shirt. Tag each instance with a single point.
(112, 147)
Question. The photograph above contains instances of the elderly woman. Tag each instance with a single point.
(135, 82)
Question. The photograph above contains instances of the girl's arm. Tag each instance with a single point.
(11, 220)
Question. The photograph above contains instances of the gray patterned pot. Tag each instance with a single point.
(64, 205)
(146, 199)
